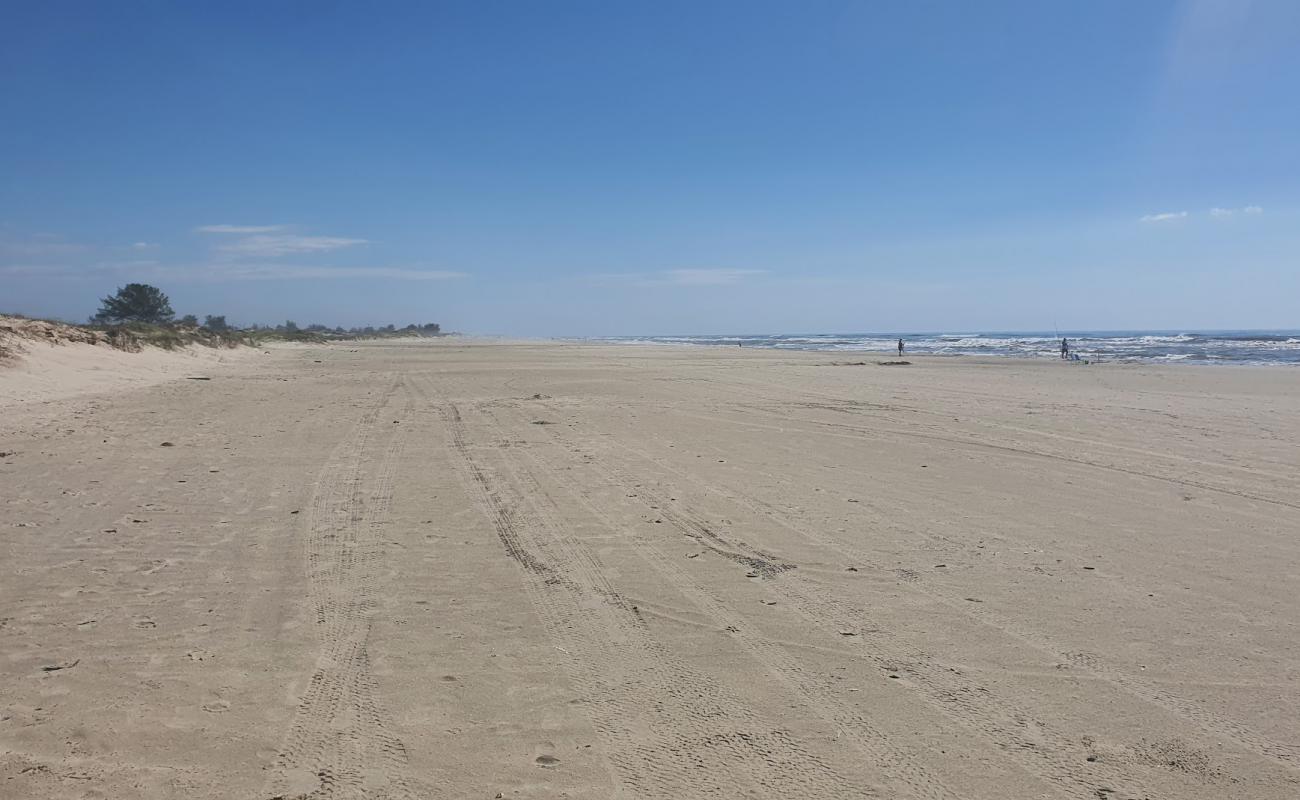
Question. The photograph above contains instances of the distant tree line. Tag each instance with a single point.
(142, 304)
(291, 327)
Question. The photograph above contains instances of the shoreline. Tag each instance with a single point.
(43, 372)
(874, 356)
(1210, 348)
(991, 358)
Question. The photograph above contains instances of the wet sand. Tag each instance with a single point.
(417, 570)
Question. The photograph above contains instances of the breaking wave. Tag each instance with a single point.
(1204, 347)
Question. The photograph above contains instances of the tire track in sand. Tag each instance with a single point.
(341, 745)
(1212, 724)
(896, 769)
(669, 730)
(1049, 754)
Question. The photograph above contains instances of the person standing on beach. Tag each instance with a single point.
(900, 348)
(1065, 348)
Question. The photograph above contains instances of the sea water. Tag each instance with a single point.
(1196, 347)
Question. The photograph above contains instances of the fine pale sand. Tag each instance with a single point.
(41, 372)
(458, 570)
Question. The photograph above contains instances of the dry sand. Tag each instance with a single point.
(447, 570)
(43, 361)
(49, 372)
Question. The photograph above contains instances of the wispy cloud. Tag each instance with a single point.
(708, 277)
(268, 246)
(41, 247)
(29, 269)
(277, 272)
(680, 277)
(225, 272)
(1216, 212)
(272, 241)
(239, 228)
(239, 256)
(1229, 212)
(79, 270)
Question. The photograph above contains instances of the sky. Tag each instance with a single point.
(610, 168)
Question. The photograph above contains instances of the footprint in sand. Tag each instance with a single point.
(545, 755)
(216, 706)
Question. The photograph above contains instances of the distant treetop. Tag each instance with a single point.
(135, 302)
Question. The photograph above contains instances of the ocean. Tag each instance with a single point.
(1188, 347)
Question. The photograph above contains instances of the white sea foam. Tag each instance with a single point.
(1278, 347)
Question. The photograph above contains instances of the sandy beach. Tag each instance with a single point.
(490, 570)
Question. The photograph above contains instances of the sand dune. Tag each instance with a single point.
(41, 362)
(445, 569)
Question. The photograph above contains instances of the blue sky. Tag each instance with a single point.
(611, 168)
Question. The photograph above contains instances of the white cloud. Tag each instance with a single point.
(1164, 217)
(30, 269)
(239, 228)
(708, 277)
(265, 246)
(1228, 212)
(270, 241)
(66, 270)
(143, 245)
(276, 272)
(41, 247)
(124, 265)
(226, 271)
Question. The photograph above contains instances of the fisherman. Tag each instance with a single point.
(900, 348)
(1065, 349)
